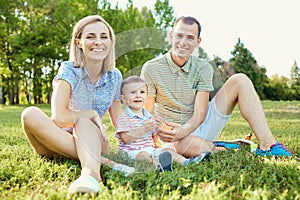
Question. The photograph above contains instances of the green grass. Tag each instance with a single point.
(234, 175)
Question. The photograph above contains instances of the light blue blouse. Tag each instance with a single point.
(88, 96)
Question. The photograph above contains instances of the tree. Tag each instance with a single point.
(43, 41)
(8, 30)
(164, 13)
(202, 54)
(140, 35)
(295, 76)
(274, 91)
(138, 38)
(164, 16)
(243, 62)
(35, 37)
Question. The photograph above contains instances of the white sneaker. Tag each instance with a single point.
(84, 184)
(123, 168)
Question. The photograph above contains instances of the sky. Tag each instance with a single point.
(269, 29)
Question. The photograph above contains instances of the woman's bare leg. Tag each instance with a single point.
(44, 136)
(89, 145)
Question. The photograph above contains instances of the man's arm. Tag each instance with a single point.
(200, 108)
(178, 131)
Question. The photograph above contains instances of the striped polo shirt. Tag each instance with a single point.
(129, 121)
(174, 87)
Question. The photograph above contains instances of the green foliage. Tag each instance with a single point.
(244, 62)
(295, 76)
(228, 175)
(36, 37)
(164, 13)
(138, 39)
(274, 92)
(279, 88)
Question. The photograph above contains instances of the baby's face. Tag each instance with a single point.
(135, 95)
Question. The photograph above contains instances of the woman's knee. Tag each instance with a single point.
(30, 115)
(85, 125)
(83, 121)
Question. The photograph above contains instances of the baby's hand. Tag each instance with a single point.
(149, 126)
(159, 122)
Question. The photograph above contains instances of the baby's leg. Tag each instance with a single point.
(143, 155)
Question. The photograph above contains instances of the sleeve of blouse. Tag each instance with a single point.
(66, 72)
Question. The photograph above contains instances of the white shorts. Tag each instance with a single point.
(213, 123)
(154, 152)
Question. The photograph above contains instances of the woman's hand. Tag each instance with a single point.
(98, 122)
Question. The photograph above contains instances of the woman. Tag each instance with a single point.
(85, 88)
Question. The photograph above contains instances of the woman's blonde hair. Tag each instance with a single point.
(76, 53)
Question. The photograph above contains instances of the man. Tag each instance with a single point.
(178, 87)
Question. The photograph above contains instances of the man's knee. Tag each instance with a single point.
(240, 79)
(192, 146)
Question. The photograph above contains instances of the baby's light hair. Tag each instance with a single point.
(131, 79)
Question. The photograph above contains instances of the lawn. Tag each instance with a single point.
(228, 175)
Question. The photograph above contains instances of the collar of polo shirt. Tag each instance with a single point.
(175, 68)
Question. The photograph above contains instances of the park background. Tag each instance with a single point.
(34, 40)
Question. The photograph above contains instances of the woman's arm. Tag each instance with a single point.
(114, 111)
(62, 116)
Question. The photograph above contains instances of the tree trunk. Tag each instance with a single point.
(17, 100)
(1, 95)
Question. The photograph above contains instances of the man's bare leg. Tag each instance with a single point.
(193, 146)
(240, 90)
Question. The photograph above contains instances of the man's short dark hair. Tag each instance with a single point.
(189, 20)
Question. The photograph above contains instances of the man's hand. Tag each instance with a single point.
(171, 132)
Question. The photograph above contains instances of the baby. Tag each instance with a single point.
(136, 129)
